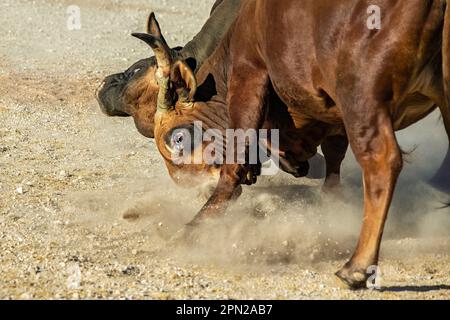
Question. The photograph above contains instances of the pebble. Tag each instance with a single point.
(64, 174)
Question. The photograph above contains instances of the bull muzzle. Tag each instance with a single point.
(109, 95)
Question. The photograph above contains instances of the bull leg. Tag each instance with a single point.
(334, 149)
(248, 88)
(375, 146)
(441, 180)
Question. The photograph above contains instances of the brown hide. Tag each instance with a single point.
(336, 75)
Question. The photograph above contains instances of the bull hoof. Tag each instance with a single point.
(333, 190)
(183, 238)
(252, 174)
(351, 279)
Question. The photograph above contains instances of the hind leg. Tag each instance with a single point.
(441, 180)
(372, 138)
(334, 149)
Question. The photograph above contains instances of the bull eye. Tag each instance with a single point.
(182, 140)
(130, 73)
(178, 140)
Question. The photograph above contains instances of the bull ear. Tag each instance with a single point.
(184, 79)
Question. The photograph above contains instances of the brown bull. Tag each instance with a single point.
(314, 70)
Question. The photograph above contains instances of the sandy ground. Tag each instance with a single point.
(68, 174)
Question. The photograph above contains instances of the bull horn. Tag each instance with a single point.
(164, 61)
(153, 27)
(163, 54)
(160, 48)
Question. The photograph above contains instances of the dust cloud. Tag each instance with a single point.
(280, 220)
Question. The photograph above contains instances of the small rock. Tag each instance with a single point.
(20, 190)
(130, 271)
(64, 174)
(25, 296)
(131, 215)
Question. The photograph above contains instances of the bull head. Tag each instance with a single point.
(158, 93)
(135, 92)
(174, 79)
(176, 110)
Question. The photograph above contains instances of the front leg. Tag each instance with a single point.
(246, 96)
(228, 188)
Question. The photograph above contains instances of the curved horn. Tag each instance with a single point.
(153, 27)
(163, 54)
(164, 60)
(160, 48)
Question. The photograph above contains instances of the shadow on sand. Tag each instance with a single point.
(398, 289)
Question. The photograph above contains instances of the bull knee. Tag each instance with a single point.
(391, 161)
(395, 160)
